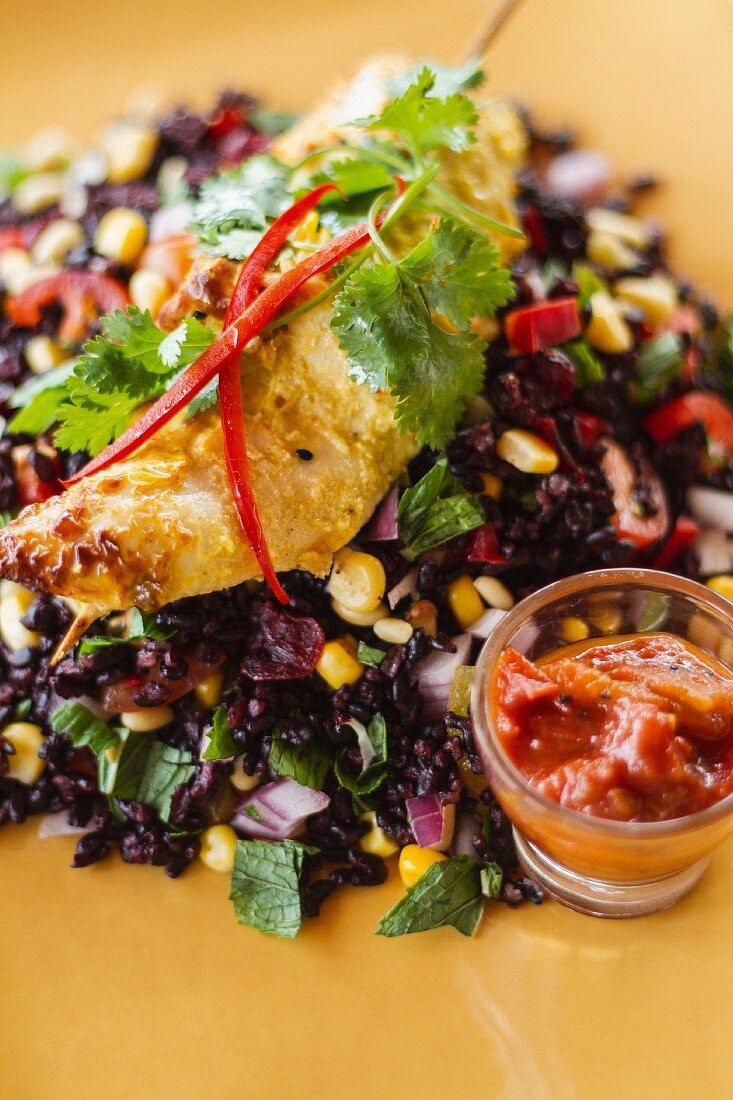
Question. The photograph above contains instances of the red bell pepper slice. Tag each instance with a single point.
(543, 324)
(696, 407)
(77, 292)
(683, 533)
(482, 545)
(589, 427)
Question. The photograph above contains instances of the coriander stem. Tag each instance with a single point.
(357, 150)
(374, 233)
(471, 214)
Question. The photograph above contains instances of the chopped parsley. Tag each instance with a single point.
(449, 892)
(435, 510)
(265, 885)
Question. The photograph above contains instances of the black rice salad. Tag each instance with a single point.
(307, 744)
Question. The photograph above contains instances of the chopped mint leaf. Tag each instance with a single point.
(147, 771)
(142, 625)
(492, 878)
(23, 709)
(307, 765)
(426, 122)
(406, 327)
(486, 828)
(84, 728)
(265, 885)
(435, 510)
(659, 363)
(448, 893)
(221, 743)
(234, 208)
(588, 282)
(253, 812)
(375, 773)
(370, 655)
(588, 367)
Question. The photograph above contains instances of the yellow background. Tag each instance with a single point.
(115, 982)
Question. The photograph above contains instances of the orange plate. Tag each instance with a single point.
(116, 982)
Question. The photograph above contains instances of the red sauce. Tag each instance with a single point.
(636, 730)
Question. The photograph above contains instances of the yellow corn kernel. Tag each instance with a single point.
(14, 263)
(43, 354)
(494, 593)
(50, 148)
(527, 452)
(25, 765)
(628, 229)
(14, 603)
(121, 235)
(149, 290)
(240, 779)
(493, 486)
(464, 601)
(360, 618)
(129, 150)
(337, 666)
(610, 252)
(393, 631)
(656, 297)
(486, 328)
(357, 580)
(218, 844)
(722, 584)
(208, 691)
(37, 193)
(376, 841)
(478, 410)
(414, 862)
(54, 242)
(607, 619)
(145, 721)
(574, 629)
(423, 615)
(608, 331)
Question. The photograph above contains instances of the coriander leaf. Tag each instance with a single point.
(588, 367)
(235, 207)
(307, 765)
(84, 728)
(435, 510)
(354, 175)
(659, 363)
(145, 625)
(92, 428)
(492, 878)
(265, 885)
(426, 122)
(375, 773)
(221, 743)
(203, 401)
(448, 893)
(370, 655)
(159, 352)
(147, 771)
(448, 79)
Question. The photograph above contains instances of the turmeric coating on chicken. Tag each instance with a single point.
(161, 525)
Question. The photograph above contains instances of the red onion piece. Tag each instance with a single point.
(431, 821)
(169, 221)
(121, 696)
(582, 174)
(58, 825)
(463, 834)
(435, 675)
(280, 808)
(711, 506)
(383, 526)
(406, 587)
(487, 623)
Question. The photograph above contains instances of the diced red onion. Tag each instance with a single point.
(431, 821)
(711, 506)
(405, 587)
(582, 174)
(487, 623)
(383, 527)
(714, 551)
(169, 221)
(281, 809)
(435, 675)
(58, 825)
(463, 834)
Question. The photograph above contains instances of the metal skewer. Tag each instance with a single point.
(489, 31)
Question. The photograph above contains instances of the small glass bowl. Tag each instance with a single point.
(598, 866)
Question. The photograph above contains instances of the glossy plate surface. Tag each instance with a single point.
(116, 982)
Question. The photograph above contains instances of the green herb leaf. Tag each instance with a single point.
(234, 208)
(426, 122)
(370, 655)
(40, 413)
(659, 363)
(406, 326)
(272, 122)
(147, 771)
(307, 765)
(435, 510)
(221, 743)
(84, 728)
(447, 79)
(492, 878)
(588, 367)
(23, 709)
(265, 885)
(448, 893)
(374, 775)
(142, 625)
(12, 172)
(51, 379)
(588, 282)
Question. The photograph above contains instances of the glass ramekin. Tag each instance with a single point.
(592, 864)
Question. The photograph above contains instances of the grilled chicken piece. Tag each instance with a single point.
(161, 525)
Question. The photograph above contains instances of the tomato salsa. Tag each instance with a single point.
(635, 729)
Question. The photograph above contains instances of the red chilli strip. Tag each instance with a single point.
(230, 385)
(74, 290)
(229, 344)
